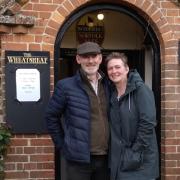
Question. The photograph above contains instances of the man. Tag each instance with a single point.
(82, 102)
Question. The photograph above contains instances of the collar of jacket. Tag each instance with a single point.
(104, 81)
(81, 73)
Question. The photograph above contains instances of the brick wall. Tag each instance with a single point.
(31, 156)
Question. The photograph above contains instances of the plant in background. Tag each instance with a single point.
(5, 135)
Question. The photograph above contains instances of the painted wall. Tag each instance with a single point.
(121, 33)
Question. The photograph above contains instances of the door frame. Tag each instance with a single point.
(156, 64)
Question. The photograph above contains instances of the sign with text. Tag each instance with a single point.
(27, 83)
(89, 28)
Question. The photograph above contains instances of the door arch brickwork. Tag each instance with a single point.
(34, 153)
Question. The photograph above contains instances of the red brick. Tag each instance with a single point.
(170, 149)
(41, 174)
(172, 170)
(152, 9)
(46, 1)
(171, 67)
(51, 31)
(30, 166)
(168, 177)
(171, 163)
(38, 39)
(19, 142)
(53, 24)
(171, 97)
(168, 5)
(20, 29)
(49, 150)
(139, 3)
(44, 7)
(4, 29)
(46, 165)
(19, 166)
(48, 39)
(41, 142)
(64, 12)
(172, 126)
(170, 20)
(170, 74)
(167, 36)
(29, 150)
(9, 166)
(17, 158)
(68, 6)
(75, 3)
(36, 30)
(57, 1)
(19, 150)
(34, 47)
(146, 5)
(45, 15)
(17, 175)
(169, 134)
(42, 158)
(178, 150)
(11, 150)
(169, 89)
(172, 157)
(15, 46)
(156, 16)
(47, 47)
(172, 12)
(171, 51)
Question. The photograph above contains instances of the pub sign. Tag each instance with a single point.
(27, 90)
(89, 28)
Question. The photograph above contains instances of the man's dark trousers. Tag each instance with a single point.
(97, 169)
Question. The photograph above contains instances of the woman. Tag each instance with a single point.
(133, 152)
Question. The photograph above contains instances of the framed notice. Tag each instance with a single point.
(27, 84)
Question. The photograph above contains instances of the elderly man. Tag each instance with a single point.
(82, 101)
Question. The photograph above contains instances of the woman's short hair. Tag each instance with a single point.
(117, 55)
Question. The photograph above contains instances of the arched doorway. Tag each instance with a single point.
(150, 50)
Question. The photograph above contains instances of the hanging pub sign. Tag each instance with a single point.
(27, 90)
(89, 28)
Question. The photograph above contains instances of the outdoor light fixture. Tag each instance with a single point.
(100, 16)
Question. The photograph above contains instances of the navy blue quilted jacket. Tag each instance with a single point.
(70, 103)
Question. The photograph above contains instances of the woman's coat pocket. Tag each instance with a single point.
(131, 160)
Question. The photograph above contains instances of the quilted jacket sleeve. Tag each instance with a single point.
(54, 113)
(147, 117)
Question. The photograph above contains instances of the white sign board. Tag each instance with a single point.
(27, 85)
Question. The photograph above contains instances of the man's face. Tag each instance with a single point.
(89, 63)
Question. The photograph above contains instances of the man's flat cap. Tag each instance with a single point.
(88, 48)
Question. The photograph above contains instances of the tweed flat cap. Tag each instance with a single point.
(88, 48)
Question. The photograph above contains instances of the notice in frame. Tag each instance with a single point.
(27, 85)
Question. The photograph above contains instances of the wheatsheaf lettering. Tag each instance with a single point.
(27, 60)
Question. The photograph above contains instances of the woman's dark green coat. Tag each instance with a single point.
(134, 152)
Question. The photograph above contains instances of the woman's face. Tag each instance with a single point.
(117, 70)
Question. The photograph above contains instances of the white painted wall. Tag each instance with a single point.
(121, 32)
